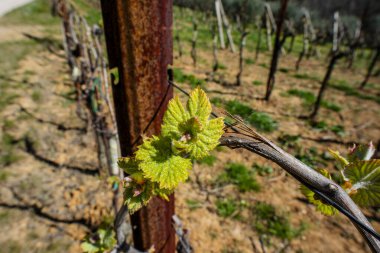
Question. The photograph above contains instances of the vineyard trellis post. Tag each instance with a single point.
(139, 45)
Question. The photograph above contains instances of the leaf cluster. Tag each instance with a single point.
(360, 177)
(162, 162)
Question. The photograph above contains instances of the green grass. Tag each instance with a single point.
(208, 160)
(190, 79)
(239, 175)
(7, 153)
(90, 9)
(288, 140)
(259, 120)
(36, 96)
(310, 157)
(193, 204)
(269, 222)
(306, 77)
(309, 99)
(257, 83)
(217, 101)
(345, 87)
(12, 53)
(283, 70)
(228, 208)
(249, 61)
(262, 170)
(338, 130)
(34, 13)
(307, 96)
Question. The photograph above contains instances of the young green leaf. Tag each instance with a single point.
(343, 162)
(199, 105)
(313, 199)
(191, 130)
(365, 179)
(361, 152)
(160, 164)
(88, 247)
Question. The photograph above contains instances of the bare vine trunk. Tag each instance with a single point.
(277, 50)
(194, 43)
(241, 57)
(371, 67)
(324, 84)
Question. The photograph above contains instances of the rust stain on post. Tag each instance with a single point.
(139, 44)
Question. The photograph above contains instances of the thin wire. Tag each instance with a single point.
(325, 197)
(154, 115)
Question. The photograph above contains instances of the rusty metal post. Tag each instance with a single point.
(139, 44)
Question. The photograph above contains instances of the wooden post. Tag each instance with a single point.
(139, 45)
(335, 45)
(220, 25)
(228, 27)
(305, 47)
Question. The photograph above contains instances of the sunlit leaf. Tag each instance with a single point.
(365, 179)
(343, 162)
(313, 199)
(161, 165)
(361, 152)
(199, 105)
(87, 247)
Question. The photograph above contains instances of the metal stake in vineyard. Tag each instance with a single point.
(139, 45)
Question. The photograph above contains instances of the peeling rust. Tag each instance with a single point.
(139, 44)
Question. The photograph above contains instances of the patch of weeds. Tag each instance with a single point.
(8, 124)
(338, 130)
(331, 106)
(13, 52)
(345, 87)
(257, 83)
(307, 96)
(190, 79)
(288, 140)
(319, 125)
(239, 175)
(310, 157)
(236, 108)
(283, 70)
(217, 101)
(264, 65)
(229, 208)
(4, 176)
(305, 76)
(262, 170)
(36, 96)
(249, 61)
(221, 66)
(208, 160)
(4, 215)
(261, 121)
(270, 223)
(7, 99)
(7, 155)
(193, 204)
